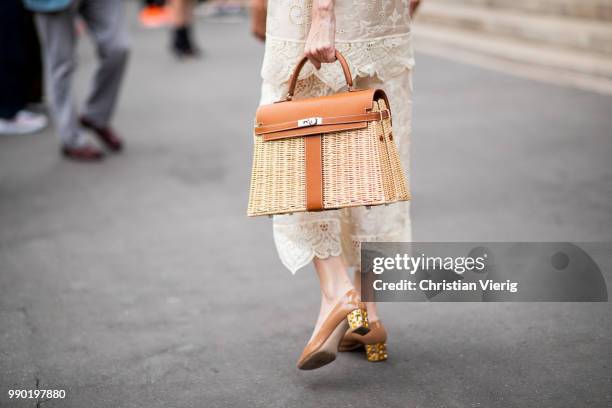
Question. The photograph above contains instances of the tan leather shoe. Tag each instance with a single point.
(374, 343)
(345, 316)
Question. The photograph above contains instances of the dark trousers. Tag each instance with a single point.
(20, 63)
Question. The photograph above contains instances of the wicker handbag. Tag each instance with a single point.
(325, 153)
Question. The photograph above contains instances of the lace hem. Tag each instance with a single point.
(383, 57)
(298, 244)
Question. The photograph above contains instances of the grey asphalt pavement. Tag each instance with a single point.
(140, 282)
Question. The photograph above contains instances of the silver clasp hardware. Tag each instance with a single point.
(309, 122)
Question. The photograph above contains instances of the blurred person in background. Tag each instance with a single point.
(56, 20)
(182, 42)
(225, 8)
(20, 70)
(154, 13)
(376, 41)
(259, 11)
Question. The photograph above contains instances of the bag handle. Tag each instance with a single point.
(300, 65)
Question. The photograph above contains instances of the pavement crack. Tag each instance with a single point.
(32, 330)
(38, 400)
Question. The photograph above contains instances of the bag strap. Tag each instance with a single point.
(296, 73)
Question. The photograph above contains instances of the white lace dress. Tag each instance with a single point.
(374, 36)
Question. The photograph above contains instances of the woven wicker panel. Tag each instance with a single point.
(387, 174)
(352, 171)
(278, 179)
(401, 192)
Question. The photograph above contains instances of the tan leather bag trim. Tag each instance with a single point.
(313, 131)
(314, 173)
(296, 73)
(331, 120)
(340, 104)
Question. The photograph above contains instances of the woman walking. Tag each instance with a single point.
(182, 41)
(375, 39)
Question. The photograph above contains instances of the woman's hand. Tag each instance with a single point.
(321, 41)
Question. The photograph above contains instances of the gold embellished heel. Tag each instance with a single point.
(374, 343)
(376, 352)
(358, 322)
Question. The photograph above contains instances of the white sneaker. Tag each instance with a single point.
(23, 123)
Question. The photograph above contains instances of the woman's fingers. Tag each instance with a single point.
(314, 61)
(320, 54)
(327, 54)
(313, 57)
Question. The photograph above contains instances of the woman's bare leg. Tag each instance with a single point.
(370, 306)
(334, 281)
(182, 12)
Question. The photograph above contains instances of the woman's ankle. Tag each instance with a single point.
(333, 278)
(332, 293)
(372, 311)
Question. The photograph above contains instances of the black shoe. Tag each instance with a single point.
(182, 43)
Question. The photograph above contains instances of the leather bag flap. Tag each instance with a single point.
(313, 116)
